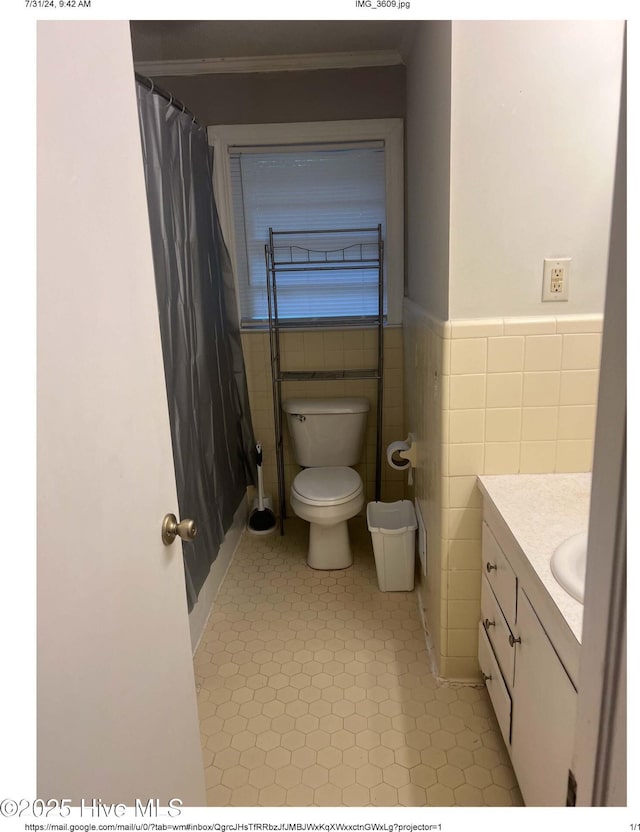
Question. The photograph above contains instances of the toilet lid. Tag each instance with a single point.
(328, 486)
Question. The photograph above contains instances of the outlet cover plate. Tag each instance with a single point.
(555, 279)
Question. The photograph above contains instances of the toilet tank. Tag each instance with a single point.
(326, 431)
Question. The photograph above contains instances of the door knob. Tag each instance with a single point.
(186, 529)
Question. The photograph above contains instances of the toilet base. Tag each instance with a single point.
(329, 546)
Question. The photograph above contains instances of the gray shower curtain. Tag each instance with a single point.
(211, 430)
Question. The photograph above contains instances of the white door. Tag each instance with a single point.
(117, 715)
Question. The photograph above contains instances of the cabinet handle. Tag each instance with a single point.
(513, 641)
(488, 623)
(486, 678)
(491, 566)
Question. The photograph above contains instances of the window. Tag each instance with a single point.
(311, 177)
(306, 189)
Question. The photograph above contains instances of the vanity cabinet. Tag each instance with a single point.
(533, 697)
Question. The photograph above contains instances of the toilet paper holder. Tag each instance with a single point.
(411, 454)
(406, 456)
(404, 452)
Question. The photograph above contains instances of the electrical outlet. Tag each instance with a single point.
(555, 279)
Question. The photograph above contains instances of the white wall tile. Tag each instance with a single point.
(476, 328)
(503, 425)
(542, 353)
(537, 457)
(468, 355)
(577, 422)
(463, 614)
(539, 423)
(502, 457)
(579, 387)
(506, 354)
(467, 392)
(465, 459)
(463, 585)
(504, 390)
(462, 642)
(574, 456)
(464, 523)
(541, 389)
(581, 352)
(579, 323)
(466, 426)
(464, 492)
(530, 326)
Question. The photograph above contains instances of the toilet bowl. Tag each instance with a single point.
(327, 498)
(327, 437)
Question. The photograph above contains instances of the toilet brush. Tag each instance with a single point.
(262, 520)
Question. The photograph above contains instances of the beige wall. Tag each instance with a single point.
(332, 349)
(492, 396)
(533, 145)
(274, 97)
(510, 160)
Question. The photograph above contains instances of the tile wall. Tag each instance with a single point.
(336, 350)
(499, 396)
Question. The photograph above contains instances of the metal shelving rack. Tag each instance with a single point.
(364, 253)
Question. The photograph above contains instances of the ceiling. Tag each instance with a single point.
(184, 40)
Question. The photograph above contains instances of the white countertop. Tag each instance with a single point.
(540, 511)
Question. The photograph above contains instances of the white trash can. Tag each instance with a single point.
(393, 532)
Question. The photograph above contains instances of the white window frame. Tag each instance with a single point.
(389, 130)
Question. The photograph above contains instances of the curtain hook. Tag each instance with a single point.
(170, 99)
(152, 85)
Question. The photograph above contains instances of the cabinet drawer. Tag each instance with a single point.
(498, 693)
(499, 573)
(498, 632)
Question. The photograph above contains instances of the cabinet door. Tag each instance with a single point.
(544, 714)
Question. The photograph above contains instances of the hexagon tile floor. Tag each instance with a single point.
(314, 689)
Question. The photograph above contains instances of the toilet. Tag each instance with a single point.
(327, 437)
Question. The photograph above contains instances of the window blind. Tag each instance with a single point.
(306, 189)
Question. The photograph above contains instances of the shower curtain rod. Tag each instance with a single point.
(149, 84)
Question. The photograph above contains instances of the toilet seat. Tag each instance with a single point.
(330, 486)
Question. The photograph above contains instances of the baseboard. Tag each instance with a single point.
(199, 615)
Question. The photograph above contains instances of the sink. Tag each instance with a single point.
(569, 565)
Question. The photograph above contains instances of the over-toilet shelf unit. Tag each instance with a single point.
(347, 249)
